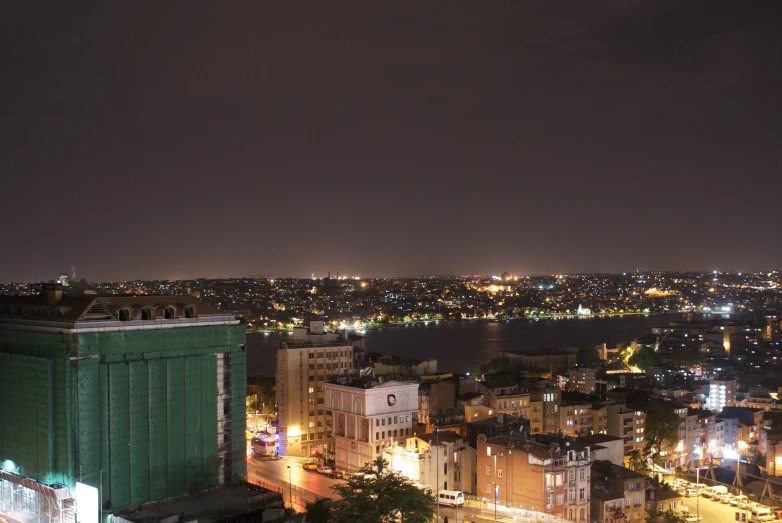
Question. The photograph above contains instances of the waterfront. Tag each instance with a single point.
(459, 345)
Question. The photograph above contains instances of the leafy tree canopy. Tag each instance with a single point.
(644, 358)
(387, 498)
(661, 431)
(587, 356)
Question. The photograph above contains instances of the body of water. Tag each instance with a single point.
(459, 345)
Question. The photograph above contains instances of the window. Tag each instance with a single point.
(445, 468)
(377, 449)
(395, 420)
(377, 422)
(582, 474)
(571, 495)
(407, 418)
(384, 434)
(312, 355)
(572, 475)
(311, 390)
(377, 435)
(384, 422)
(312, 367)
(499, 473)
(312, 424)
(488, 451)
(312, 378)
(559, 499)
(637, 501)
(548, 500)
(581, 493)
(320, 401)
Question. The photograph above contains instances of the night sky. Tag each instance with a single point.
(206, 139)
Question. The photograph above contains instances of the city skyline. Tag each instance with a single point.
(148, 141)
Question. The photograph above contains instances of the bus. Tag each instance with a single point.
(264, 445)
(454, 498)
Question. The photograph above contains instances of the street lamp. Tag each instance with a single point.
(496, 498)
(437, 486)
(290, 488)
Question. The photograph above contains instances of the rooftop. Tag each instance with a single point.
(56, 307)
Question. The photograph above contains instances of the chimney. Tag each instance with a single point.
(54, 296)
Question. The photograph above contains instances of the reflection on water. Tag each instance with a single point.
(459, 345)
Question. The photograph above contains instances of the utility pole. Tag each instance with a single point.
(290, 488)
(437, 436)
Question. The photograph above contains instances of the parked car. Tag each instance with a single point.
(324, 470)
(336, 474)
(739, 501)
(693, 518)
(725, 498)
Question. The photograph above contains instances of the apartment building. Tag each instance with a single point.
(576, 419)
(544, 410)
(582, 379)
(600, 418)
(369, 415)
(303, 366)
(722, 393)
(628, 424)
(618, 494)
(546, 474)
(441, 460)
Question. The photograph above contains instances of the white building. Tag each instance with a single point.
(369, 415)
(722, 392)
(441, 461)
(303, 366)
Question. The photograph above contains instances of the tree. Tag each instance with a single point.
(319, 511)
(661, 432)
(380, 464)
(382, 499)
(637, 461)
(587, 356)
(644, 358)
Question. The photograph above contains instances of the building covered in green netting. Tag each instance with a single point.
(114, 402)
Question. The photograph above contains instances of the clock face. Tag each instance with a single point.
(391, 400)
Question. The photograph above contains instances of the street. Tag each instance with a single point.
(308, 483)
(712, 511)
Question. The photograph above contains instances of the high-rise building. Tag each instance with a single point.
(125, 400)
(369, 414)
(722, 392)
(303, 366)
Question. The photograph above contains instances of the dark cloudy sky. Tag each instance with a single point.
(184, 139)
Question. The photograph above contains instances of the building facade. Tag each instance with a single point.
(628, 424)
(303, 367)
(138, 398)
(582, 379)
(551, 477)
(441, 460)
(369, 415)
(722, 393)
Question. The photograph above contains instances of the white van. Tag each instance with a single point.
(760, 514)
(453, 498)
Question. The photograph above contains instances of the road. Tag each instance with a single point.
(275, 472)
(711, 510)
